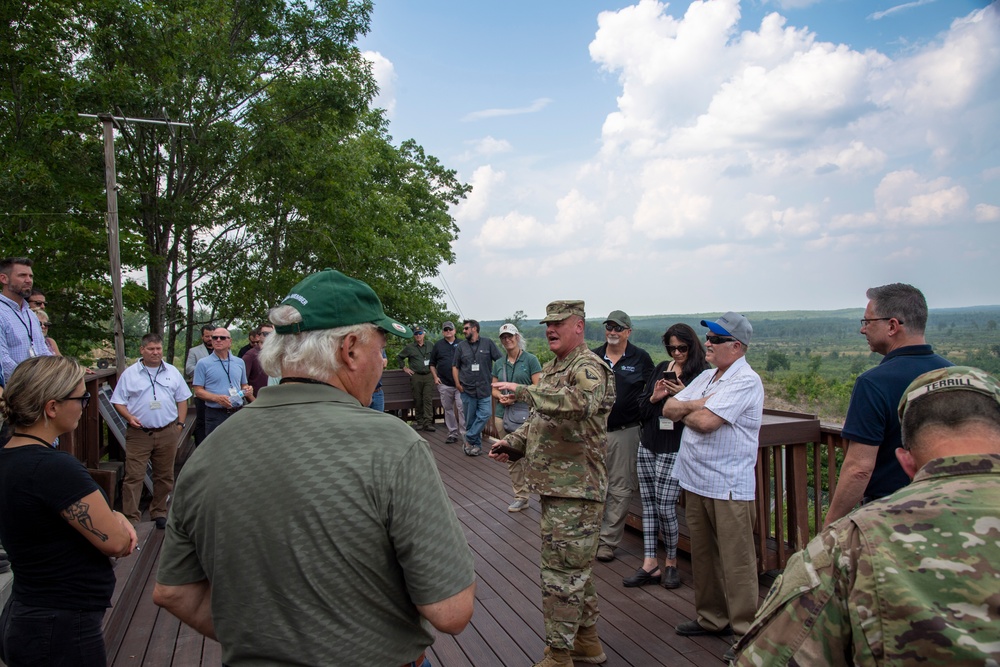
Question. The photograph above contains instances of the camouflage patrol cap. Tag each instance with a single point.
(952, 378)
(557, 311)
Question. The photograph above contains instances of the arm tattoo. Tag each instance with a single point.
(78, 512)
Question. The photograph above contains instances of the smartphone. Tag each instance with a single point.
(670, 376)
(512, 454)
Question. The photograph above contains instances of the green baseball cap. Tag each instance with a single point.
(952, 378)
(619, 317)
(329, 299)
(557, 311)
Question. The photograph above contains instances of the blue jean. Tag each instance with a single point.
(51, 637)
(477, 411)
(378, 401)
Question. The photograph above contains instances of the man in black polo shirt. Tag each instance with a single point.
(632, 367)
(442, 355)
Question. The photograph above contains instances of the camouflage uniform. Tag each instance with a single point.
(910, 579)
(564, 441)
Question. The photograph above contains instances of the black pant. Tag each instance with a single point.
(41, 636)
(199, 421)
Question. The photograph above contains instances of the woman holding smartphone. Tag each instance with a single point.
(55, 524)
(660, 441)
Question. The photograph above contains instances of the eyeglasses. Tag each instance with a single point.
(44, 325)
(719, 340)
(614, 327)
(220, 337)
(83, 398)
(677, 348)
(448, 329)
(866, 322)
(37, 303)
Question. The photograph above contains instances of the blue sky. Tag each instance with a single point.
(704, 156)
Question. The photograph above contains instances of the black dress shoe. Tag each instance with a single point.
(161, 522)
(671, 579)
(429, 428)
(694, 629)
(641, 578)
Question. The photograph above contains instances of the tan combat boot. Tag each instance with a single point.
(555, 657)
(587, 647)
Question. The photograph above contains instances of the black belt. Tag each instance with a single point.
(148, 430)
(228, 411)
(622, 427)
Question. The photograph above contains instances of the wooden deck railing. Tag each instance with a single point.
(796, 474)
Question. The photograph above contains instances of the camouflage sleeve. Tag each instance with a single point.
(581, 396)
(806, 618)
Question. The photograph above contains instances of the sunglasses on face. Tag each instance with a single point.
(220, 337)
(614, 327)
(718, 340)
(677, 348)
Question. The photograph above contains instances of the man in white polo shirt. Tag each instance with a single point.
(152, 397)
(722, 410)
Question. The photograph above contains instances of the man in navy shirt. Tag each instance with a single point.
(894, 325)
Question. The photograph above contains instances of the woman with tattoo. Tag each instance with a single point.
(55, 524)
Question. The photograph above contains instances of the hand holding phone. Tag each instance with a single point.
(670, 376)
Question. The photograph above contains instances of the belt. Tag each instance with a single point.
(228, 411)
(419, 661)
(147, 429)
(622, 427)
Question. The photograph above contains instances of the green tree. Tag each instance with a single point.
(777, 360)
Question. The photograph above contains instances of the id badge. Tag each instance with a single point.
(31, 351)
(666, 424)
(475, 368)
(234, 392)
(427, 362)
(155, 405)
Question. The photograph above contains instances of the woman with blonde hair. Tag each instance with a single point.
(43, 321)
(55, 524)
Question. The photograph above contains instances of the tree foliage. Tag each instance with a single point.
(285, 171)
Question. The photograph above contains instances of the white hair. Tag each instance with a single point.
(310, 354)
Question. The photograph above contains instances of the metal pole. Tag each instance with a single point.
(114, 249)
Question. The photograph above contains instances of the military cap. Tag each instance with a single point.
(557, 311)
(952, 378)
(619, 317)
(329, 300)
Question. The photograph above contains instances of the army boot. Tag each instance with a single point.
(555, 657)
(587, 647)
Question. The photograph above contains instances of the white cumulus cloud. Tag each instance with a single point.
(385, 75)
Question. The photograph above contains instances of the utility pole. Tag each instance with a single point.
(114, 245)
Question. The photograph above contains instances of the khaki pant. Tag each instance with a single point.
(623, 481)
(160, 447)
(518, 480)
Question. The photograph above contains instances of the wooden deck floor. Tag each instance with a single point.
(636, 624)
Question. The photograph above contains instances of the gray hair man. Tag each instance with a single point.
(910, 579)
(336, 513)
(722, 410)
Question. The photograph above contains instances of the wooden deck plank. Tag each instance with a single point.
(636, 624)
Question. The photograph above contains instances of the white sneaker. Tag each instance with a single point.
(518, 505)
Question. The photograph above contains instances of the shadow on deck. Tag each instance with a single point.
(636, 624)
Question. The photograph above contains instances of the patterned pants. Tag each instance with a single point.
(659, 493)
(570, 530)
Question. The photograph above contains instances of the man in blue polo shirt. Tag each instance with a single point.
(894, 325)
(220, 379)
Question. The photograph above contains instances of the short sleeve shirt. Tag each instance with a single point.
(151, 395)
(219, 375)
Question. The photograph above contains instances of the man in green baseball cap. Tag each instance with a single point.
(922, 563)
(311, 476)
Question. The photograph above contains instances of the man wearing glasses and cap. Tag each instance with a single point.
(442, 355)
(910, 579)
(632, 367)
(721, 410)
(309, 529)
(894, 324)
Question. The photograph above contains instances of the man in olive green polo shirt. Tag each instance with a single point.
(415, 360)
(309, 529)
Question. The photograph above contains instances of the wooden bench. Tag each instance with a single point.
(399, 398)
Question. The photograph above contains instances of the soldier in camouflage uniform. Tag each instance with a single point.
(565, 441)
(913, 578)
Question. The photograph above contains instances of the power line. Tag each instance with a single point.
(451, 295)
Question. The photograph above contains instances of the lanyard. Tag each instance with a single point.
(152, 378)
(226, 367)
(27, 327)
(513, 364)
